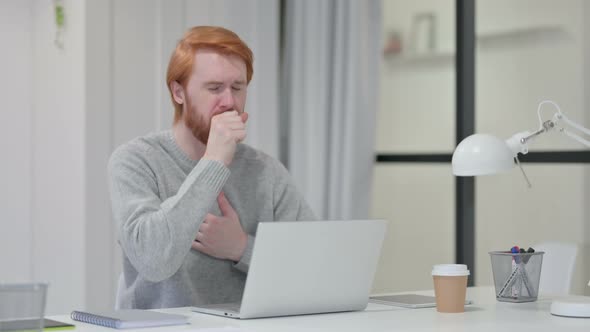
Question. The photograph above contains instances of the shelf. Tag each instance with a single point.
(520, 31)
(515, 35)
(524, 34)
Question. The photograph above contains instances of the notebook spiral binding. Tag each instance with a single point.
(94, 319)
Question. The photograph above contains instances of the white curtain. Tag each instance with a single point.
(331, 63)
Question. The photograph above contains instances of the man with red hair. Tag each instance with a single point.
(187, 200)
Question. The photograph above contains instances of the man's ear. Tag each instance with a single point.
(177, 92)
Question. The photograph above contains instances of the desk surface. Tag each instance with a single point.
(485, 314)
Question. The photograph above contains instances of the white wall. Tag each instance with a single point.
(101, 256)
(16, 31)
(43, 116)
(418, 91)
(58, 156)
(418, 202)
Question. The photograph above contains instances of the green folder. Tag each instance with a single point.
(53, 325)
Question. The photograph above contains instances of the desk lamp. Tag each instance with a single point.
(482, 154)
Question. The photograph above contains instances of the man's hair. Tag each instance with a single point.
(217, 39)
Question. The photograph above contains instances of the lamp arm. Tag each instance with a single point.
(518, 143)
(577, 138)
(560, 117)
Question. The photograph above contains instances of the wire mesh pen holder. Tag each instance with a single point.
(516, 275)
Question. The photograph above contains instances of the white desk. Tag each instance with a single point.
(485, 314)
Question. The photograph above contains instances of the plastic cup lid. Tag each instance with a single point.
(450, 270)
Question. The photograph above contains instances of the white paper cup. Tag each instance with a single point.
(450, 287)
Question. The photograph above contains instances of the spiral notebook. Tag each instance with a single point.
(129, 318)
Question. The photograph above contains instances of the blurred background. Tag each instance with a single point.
(358, 99)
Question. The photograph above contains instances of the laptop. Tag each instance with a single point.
(308, 267)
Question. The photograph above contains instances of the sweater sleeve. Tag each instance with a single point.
(156, 235)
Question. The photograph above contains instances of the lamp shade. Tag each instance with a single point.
(482, 154)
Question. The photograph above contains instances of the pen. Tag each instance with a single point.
(515, 289)
(512, 276)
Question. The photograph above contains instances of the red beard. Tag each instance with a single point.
(197, 123)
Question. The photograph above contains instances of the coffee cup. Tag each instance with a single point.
(450, 287)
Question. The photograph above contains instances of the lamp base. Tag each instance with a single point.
(572, 306)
